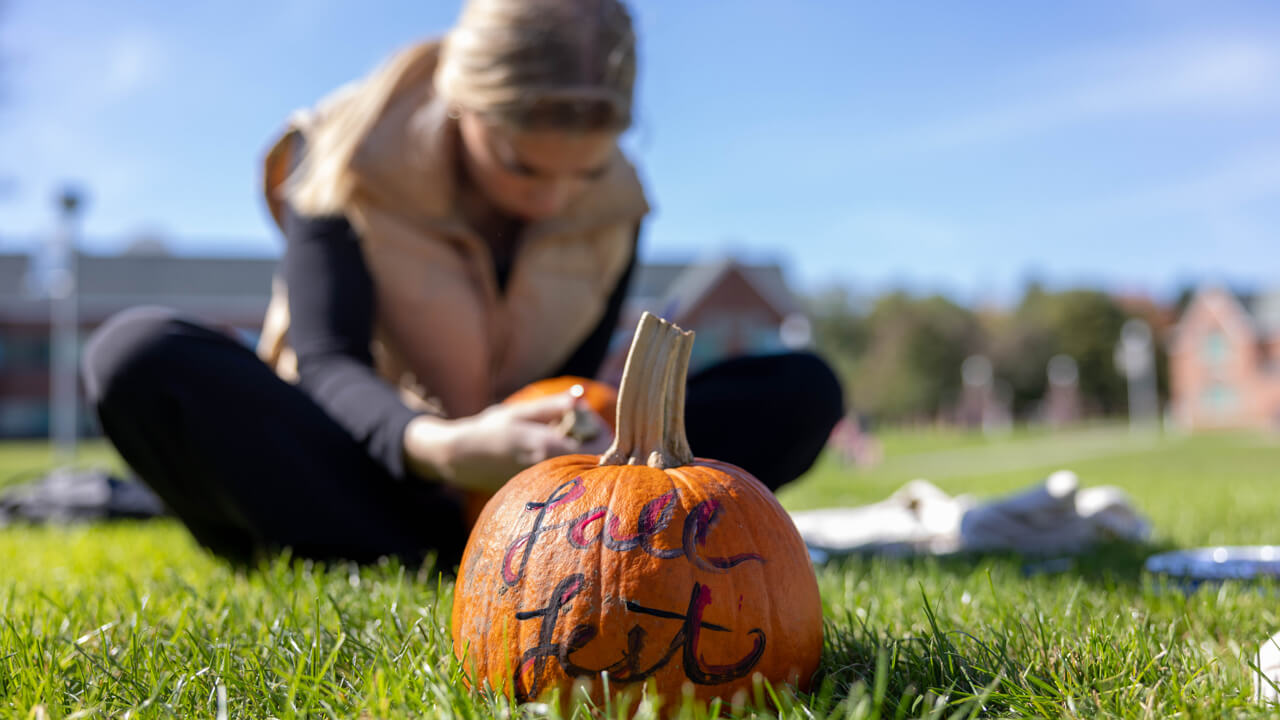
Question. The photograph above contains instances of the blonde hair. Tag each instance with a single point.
(334, 131)
(530, 64)
(542, 64)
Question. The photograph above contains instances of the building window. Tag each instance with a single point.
(712, 343)
(24, 418)
(1219, 399)
(23, 351)
(763, 338)
(1214, 350)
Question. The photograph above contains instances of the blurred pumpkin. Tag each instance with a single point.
(644, 562)
(600, 397)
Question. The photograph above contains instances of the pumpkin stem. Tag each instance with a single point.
(650, 420)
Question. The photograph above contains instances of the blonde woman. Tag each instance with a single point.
(458, 224)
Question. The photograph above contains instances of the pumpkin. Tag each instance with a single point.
(600, 397)
(644, 562)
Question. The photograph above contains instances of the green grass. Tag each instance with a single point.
(119, 619)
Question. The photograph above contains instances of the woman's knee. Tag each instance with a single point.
(815, 403)
(803, 388)
(812, 377)
(131, 344)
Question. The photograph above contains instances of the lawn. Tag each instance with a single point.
(135, 620)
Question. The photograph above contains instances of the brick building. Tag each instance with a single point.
(231, 293)
(1224, 362)
(734, 308)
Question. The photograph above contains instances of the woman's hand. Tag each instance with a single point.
(483, 451)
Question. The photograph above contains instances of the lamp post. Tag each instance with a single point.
(64, 327)
(1135, 356)
(1062, 399)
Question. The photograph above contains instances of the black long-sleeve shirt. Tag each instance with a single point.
(331, 305)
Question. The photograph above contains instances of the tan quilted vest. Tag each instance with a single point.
(443, 332)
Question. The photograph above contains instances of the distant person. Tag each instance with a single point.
(459, 223)
(853, 443)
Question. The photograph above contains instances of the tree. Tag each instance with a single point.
(900, 358)
(911, 367)
(1020, 348)
(1084, 324)
(839, 335)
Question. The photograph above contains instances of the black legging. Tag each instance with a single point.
(252, 464)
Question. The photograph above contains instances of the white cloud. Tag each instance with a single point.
(1224, 191)
(1197, 75)
(133, 62)
(55, 130)
(60, 69)
(1224, 202)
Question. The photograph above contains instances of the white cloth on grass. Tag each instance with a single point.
(1268, 673)
(1051, 517)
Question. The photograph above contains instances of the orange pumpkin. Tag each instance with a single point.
(644, 562)
(598, 396)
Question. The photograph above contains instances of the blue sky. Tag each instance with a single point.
(962, 147)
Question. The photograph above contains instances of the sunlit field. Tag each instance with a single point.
(133, 618)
